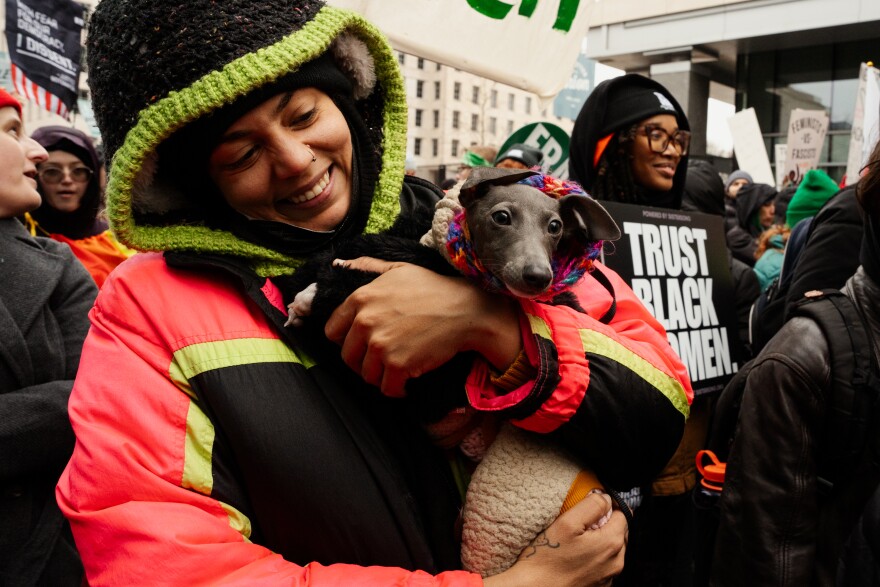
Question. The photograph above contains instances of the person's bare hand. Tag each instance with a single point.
(569, 553)
(410, 320)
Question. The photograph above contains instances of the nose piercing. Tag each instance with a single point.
(311, 153)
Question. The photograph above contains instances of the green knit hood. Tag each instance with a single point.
(134, 192)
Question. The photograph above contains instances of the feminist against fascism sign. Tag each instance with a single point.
(676, 263)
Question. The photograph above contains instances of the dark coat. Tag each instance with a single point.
(831, 253)
(772, 524)
(44, 302)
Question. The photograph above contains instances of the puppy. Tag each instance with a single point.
(518, 233)
(509, 236)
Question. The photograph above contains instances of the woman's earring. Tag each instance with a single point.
(311, 153)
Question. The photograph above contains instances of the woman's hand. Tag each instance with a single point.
(569, 553)
(410, 320)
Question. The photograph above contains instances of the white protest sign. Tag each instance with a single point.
(528, 44)
(779, 160)
(748, 146)
(866, 116)
(806, 133)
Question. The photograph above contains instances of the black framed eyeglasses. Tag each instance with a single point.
(659, 139)
(56, 174)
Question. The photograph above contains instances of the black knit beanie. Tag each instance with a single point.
(125, 52)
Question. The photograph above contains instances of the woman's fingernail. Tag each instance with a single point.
(339, 263)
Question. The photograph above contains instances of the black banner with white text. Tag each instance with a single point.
(44, 39)
(676, 262)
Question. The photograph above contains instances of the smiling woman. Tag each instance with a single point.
(70, 187)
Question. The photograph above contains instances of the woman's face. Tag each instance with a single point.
(64, 179)
(263, 164)
(655, 171)
(20, 155)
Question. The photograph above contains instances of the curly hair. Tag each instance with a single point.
(764, 240)
(614, 178)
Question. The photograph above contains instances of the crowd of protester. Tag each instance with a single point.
(162, 423)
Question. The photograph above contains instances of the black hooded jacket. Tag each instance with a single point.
(598, 118)
(704, 192)
(742, 236)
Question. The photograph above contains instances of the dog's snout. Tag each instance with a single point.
(537, 276)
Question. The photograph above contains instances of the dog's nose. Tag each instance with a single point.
(537, 277)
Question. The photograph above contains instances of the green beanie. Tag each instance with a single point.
(812, 193)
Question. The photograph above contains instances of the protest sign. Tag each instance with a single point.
(748, 146)
(44, 39)
(806, 134)
(866, 120)
(676, 262)
(548, 138)
(527, 44)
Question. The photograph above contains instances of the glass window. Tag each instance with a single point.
(493, 122)
(418, 117)
(509, 127)
(401, 58)
(417, 147)
(436, 90)
(420, 87)
(420, 63)
(510, 101)
(436, 118)
(455, 147)
(528, 105)
(475, 121)
(493, 99)
(475, 97)
(455, 117)
(435, 147)
(456, 91)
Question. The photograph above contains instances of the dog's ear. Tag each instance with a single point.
(483, 178)
(585, 220)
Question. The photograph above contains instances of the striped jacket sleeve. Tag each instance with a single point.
(616, 393)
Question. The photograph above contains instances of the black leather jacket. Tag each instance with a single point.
(774, 529)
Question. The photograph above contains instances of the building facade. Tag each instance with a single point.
(770, 55)
(451, 110)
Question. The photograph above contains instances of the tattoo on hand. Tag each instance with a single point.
(540, 540)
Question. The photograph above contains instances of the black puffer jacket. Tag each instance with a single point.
(771, 528)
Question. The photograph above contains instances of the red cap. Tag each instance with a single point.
(6, 99)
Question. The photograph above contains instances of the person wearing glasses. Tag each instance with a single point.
(630, 144)
(70, 185)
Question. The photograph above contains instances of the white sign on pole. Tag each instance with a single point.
(866, 116)
(806, 134)
(528, 44)
(748, 146)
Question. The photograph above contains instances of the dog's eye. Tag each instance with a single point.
(501, 217)
(555, 227)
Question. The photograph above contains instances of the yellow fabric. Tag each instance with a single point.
(583, 484)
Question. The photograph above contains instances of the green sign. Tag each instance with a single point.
(549, 139)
